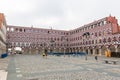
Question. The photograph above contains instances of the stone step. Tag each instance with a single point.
(3, 75)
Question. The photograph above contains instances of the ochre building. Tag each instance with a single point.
(93, 38)
(2, 34)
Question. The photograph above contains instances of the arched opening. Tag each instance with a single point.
(103, 49)
(112, 48)
(119, 48)
(18, 50)
(26, 50)
(97, 50)
(90, 50)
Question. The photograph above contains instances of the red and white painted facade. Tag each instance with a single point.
(93, 38)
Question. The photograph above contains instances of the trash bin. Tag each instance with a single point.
(4, 55)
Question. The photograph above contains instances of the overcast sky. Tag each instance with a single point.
(58, 14)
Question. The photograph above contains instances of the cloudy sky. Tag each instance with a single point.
(58, 14)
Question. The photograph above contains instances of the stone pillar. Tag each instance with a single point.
(93, 51)
(30, 50)
(83, 49)
(100, 51)
(89, 51)
(59, 49)
(79, 50)
(116, 48)
(54, 50)
(36, 51)
(49, 49)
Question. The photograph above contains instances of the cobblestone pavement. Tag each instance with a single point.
(3, 68)
(35, 67)
(4, 63)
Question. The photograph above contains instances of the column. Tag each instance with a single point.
(89, 51)
(100, 51)
(30, 50)
(116, 48)
(83, 50)
(36, 51)
(93, 51)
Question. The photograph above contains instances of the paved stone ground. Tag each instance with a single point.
(3, 68)
(35, 67)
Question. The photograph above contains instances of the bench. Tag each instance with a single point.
(111, 61)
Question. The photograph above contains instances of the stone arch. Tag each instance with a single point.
(90, 50)
(81, 49)
(118, 48)
(86, 50)
(112, 48)
(39, 50)
(103, 49)
(57, 49)
(73, 50)
(62, 49)
(67, 50)
(8, 29)
(33, 50)
(70, 50)
(26, 50)
(77, 49)
(96, 50)
(18, 50)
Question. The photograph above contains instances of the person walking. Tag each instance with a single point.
(45, 52)
(96, 58)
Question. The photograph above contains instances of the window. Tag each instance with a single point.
(12, 29)
(109, 39)
(24, 30)
(114, 39)
(8, 29)
(20, 30)
(104, 40)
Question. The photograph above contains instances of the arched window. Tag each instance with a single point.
(109, 39)
(99, 33)
(104, 40)
(92, 41)
(12, 29)
(100, 40)
(8, 29)
(114, 39)
(89, 42)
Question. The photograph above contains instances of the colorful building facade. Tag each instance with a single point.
(2, 33)
(93, 38)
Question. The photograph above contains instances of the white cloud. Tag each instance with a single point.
(61, 14)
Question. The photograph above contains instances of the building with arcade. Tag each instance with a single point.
(93, 38)
(2, 33)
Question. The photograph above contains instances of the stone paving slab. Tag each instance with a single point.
(35, 67)
(3, 75)
(3, 68)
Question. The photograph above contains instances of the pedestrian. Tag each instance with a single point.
(96, 58)
(86, 57)
(45, 53)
